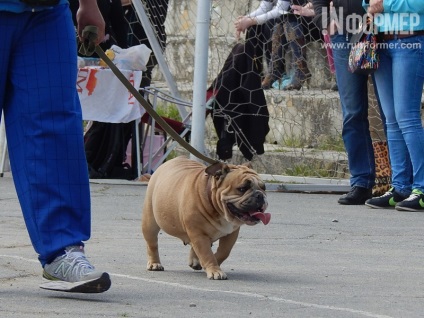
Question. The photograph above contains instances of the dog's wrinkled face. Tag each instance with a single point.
(241, 194)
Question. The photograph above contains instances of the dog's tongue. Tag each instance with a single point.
(264, 217)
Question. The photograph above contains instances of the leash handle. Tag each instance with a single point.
(89, 36)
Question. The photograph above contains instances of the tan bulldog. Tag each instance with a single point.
(201, 205)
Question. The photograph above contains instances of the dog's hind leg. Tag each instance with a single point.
(150, 230)
(193, 260)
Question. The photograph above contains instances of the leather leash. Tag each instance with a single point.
(87, 48)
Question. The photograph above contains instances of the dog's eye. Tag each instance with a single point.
(242, 189)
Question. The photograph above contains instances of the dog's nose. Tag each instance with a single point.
(259, 196)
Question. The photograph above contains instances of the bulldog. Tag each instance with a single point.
(201, 205)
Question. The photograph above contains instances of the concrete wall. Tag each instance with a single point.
(307, 114)
(180, 28)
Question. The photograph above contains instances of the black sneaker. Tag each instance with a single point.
(356, 196)
(387, 200)
(414, 203)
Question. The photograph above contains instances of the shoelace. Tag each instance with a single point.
(79, 263)
(412, 197)
(388, 193)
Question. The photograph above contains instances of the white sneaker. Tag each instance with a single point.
(73, 273)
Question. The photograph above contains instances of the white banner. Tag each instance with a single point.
(104, 98)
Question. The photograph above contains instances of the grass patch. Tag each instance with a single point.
(332, 143)
(293, 142)
(168, 110)
(310, 170)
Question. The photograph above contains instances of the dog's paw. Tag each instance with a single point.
(196, 267)
(195, 264)
(154, 267)
(216, 274)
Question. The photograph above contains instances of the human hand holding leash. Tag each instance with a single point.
(89, 14)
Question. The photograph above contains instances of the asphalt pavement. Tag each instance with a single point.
(314, 259)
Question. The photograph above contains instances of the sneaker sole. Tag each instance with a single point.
(98, 285)
(379, 207)
(350, 203)
(405, 209)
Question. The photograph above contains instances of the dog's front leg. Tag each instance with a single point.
(225, 246)
(202, 248)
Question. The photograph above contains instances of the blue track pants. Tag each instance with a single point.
(38, 72)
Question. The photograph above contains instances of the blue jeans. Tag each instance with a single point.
(399, 80)
(354, 101)
(43, 119)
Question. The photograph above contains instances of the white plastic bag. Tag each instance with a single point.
(134, 58)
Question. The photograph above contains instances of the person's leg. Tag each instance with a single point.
(401, 167)
(408, 75)
(268, 31)
(44, 124)
(276, 65)
(282, 49)
(293, 30)
(399, 156)
(44, 128)
(5, 55)
(355, 131)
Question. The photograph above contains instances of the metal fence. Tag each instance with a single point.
(304, 137)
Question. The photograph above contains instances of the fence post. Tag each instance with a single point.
(200, 76)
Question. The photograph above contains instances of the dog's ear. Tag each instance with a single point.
(248, 164)
(218, 169)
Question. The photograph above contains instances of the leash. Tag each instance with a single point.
(88, 47)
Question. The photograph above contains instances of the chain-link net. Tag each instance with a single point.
(272, 94)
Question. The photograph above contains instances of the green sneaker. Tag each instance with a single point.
(414, 203)
(387, 200)
(73, 273)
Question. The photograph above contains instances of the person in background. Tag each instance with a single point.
(307, 10)
(293, 34)
(43, 120)
(295, 29)
(275, 49)
(399, 80)
(353, 92)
